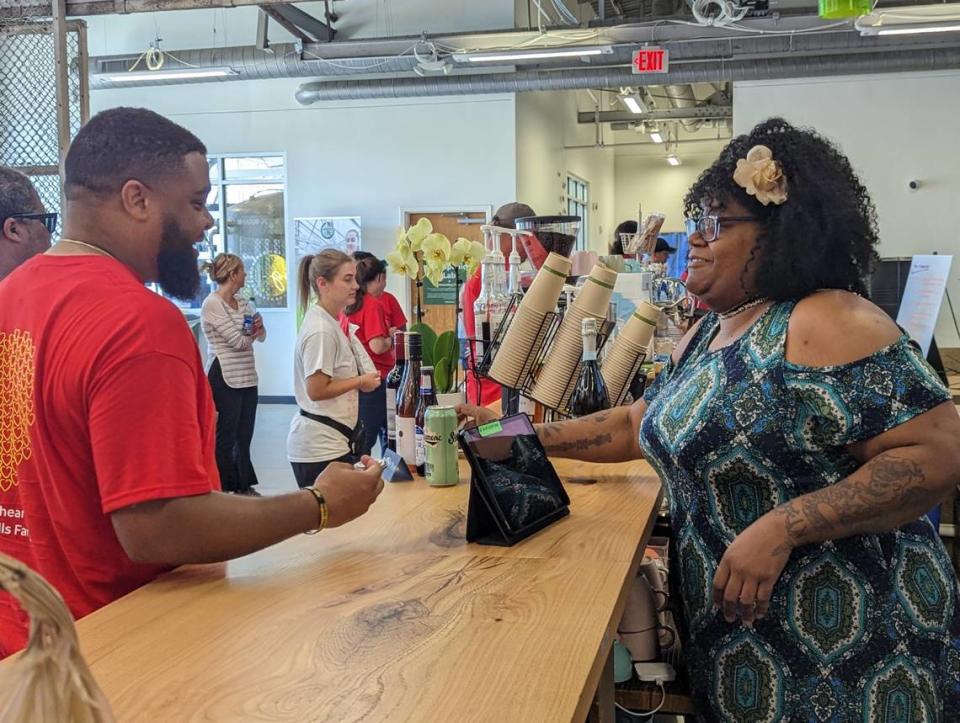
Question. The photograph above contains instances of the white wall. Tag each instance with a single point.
(364, 158)
(659, 187)
(546, 127)
(894, 128)
(540, 153)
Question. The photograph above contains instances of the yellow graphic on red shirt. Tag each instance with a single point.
(16, 404)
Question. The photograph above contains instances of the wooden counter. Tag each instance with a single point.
(392, 617)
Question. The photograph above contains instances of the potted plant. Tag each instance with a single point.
(420, 253)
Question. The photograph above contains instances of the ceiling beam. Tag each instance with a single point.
(75, 8)
(701, 112)
(262, 41)
(317, 29)
(281, 20)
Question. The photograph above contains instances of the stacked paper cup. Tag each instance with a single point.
(526, 331)
(558, 376)
(631, 343)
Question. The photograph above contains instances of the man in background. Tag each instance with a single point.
(662, 251)
(25, 225)
(505, 217)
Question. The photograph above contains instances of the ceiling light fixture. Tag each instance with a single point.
(909, 21)
(656, 137)
(574, 51)
(911, 29)
(634, 103)
(170, 74)
(673, 160)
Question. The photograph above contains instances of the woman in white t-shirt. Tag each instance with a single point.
(327, 374)
(232, 371)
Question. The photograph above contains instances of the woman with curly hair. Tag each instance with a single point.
(802, 438)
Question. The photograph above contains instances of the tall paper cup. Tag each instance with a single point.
(548, 284)
(641, 324)
(594, 297)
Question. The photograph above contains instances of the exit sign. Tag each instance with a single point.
(651, 60)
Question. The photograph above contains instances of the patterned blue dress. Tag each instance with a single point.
(865, 628)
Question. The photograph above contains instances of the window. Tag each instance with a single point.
(578, 204)
(247, 201)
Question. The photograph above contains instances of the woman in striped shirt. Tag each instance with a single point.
(232, 372)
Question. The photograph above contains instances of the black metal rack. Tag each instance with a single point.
(525, 379)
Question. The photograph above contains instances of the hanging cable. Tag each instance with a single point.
(564, 12)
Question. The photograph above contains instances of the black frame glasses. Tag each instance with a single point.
(49, 220)
(712, 223)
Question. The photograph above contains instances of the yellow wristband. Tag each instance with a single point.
(322, 504)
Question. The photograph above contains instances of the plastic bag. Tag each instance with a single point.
(50, 680)
(646, 239)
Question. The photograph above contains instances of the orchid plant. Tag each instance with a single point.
(421, 253)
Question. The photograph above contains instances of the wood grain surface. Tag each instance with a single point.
(393, 617)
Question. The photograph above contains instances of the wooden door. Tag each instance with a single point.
(453, 225)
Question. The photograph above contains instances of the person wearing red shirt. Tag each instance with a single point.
(370, 316)
(108, 476)
(506, 216)
(395, 316)
(396, 319)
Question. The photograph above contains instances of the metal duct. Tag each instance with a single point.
(569, 79)
(682, 96)
(374, 58)
(252, 64)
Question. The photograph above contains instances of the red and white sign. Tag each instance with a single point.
(651, 60)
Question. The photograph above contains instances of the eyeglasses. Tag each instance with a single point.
(709, 226)
(49, 220)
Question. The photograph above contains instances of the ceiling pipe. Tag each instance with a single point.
(701, 112)
(379, 57)
(694, 72)
(283, 60)
(682, 96)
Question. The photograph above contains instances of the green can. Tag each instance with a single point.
(440, 442)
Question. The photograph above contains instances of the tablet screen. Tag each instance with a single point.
(515, 468)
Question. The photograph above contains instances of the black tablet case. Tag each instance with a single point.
(486, 521)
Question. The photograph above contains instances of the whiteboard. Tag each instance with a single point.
(923, 296)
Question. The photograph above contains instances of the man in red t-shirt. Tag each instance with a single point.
(505, 217)
(107, 476)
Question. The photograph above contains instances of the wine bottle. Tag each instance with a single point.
(408, 396)
(392, 385)
(427, 399)
(590, 393)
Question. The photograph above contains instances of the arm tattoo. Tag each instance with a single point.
(887, 487)
(579, 444)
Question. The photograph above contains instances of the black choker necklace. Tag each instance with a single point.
(740, 308)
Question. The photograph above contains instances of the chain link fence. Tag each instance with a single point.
(28, 93)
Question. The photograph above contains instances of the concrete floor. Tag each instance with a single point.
(269, 449)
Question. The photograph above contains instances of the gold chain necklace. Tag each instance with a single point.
(98, 249)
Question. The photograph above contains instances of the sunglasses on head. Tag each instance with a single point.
(49, 220)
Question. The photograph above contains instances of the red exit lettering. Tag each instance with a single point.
(650, 60)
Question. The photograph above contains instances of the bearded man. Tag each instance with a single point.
(107, 470)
